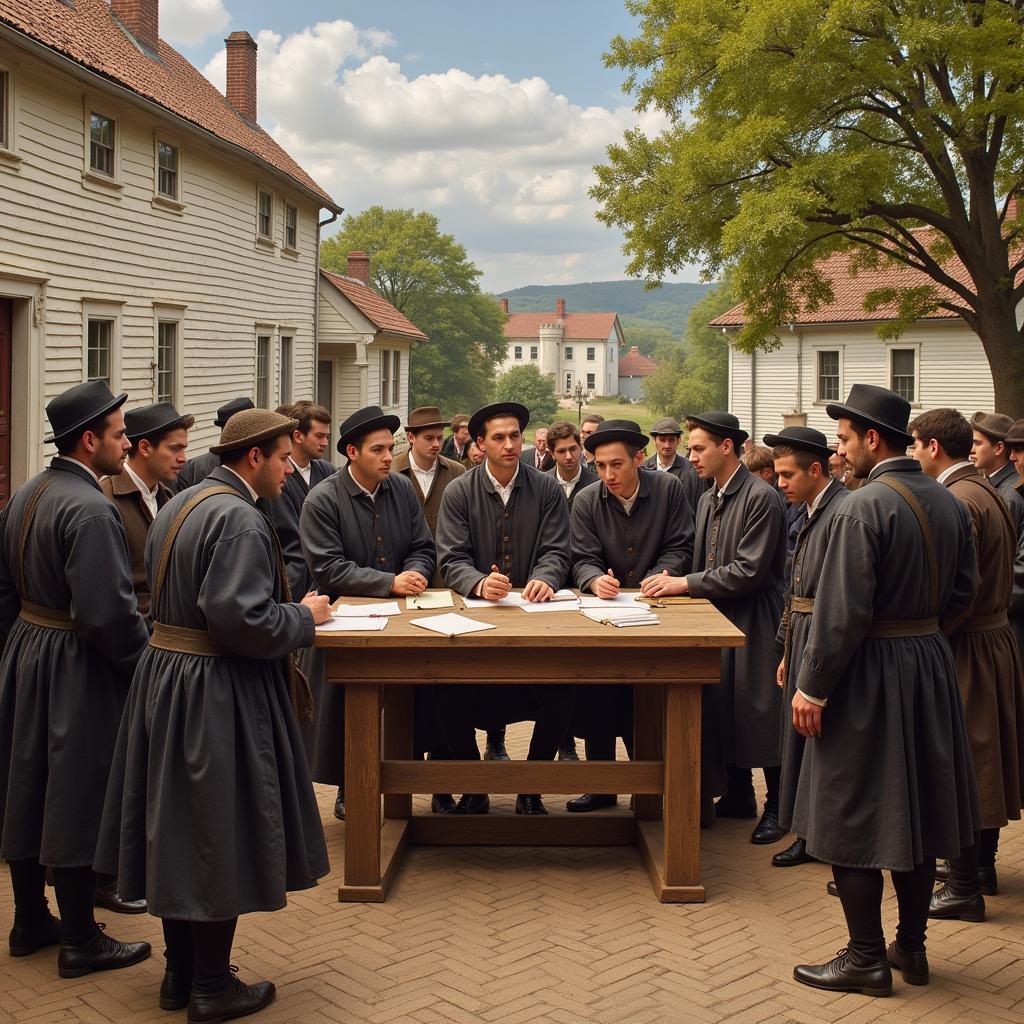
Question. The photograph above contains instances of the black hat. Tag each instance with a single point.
(616, 430)
(228, 409)
(879, 407)
(722, 424)
(149, 419)
(80, 405)
(362, 422)
(805, 438)
(488, 412)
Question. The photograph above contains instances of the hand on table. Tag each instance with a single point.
(537, 590)
(495, 586)
(806, 716)
(606, 586)
(664, 585)
(319, 605)
(408, 583)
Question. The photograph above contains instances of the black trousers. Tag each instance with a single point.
(76, 894)
(200, 950)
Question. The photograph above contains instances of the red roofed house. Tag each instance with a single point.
(571, 346)
(634, 369)
(151, 233)
(365, 345)
(937, 362)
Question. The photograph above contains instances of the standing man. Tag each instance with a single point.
(73, 635)
(587, 427)
(666, 434)
(200, 467)
(801, 455)
(626, 531)
(569, 470)
(538, 456)
(988, 670)
(364, 535)
(886, 782)
(456, 447)
(501, 527)
(991, 454)
(218, 816)
(1015, 443)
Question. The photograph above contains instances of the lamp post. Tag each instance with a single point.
(578, 395)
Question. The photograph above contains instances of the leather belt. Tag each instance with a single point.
(184, 640)
(894, 629)
(801, 605)
(984, 623)
(48, 618)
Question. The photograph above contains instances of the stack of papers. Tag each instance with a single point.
(353, 625)
(451, 624)
(366, 611)
(429, 599)
(638, 615)
(619, 601)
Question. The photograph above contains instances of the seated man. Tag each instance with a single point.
(627, 529)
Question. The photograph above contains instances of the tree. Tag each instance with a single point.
(646, 334)
(526, 384)
(799, 128)
(428, 276)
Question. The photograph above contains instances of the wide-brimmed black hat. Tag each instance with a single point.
(611, 431)
(363, 422)
(488, 412)
(79, 405)
(228, 409)
(878, 407)
(149, 419)
(251, 427)
(723, 424)
(805, 438)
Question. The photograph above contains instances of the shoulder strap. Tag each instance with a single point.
(926, 532)
(26, 526)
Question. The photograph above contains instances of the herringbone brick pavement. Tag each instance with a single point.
(561, 936)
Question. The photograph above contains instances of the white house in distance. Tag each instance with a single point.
(571, 346)
(151, 233)
(938, 362)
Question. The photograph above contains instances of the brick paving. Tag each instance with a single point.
(566, 936)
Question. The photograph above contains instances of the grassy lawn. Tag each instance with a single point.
(610, 410)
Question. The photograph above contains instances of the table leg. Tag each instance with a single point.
(362, 791)
(682, 785)
(398, 739)
(648, 728)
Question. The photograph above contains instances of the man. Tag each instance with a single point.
(200, 467)
(666, 434)
(502, 526)
(991, 454)
(73, 635)
(538, 456)
(476, 455)
(988, 670)
(364, 535)
(738, 561)
(625, 531)
(569, 471)
(456, 447)
(309, 442)
(800, 456)
(218, 816)
(759, 461)
(886, 782)
(587, 427)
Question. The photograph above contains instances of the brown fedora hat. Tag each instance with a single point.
(992, 424)
(425, 416)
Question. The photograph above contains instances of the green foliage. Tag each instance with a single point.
(535, 390)
(647, 335)
(428, 277)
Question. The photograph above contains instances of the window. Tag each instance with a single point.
(396, 376)
(568, 382)
(828, 376)
(101, 144)
(519, 351)
(166, 359)
(97, 352)
(903, 373)
(385, 376)
(167, 170)
(265, 214)
(568, 352)
(286, 369)
(263, 371)
(533, 351)
(590, 382)
(291, 226)
(591, 354)
(5, 105)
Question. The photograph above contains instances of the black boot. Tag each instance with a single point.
(948, 904)
(442, 803)
(473, 803)
(339, 806)
(495, 750)
(100, 953)
(844, 974)
(108, 897)
(25, 940)
(591, 802)
(913, 966)
(768, 830)
(238, 1000)
(530, 803)
(793, 855)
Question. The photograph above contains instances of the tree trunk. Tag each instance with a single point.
(1004, 347)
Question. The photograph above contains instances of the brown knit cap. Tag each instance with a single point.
(251, 427)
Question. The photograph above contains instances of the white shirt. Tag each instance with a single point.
(248, 486)
(813, 506)
(372, 495)
(721, 490)
(503, 492)
(659, 467)
(88, 469)
(568, 486)
(628, 503)
(947, 473)
(148, 496)
(424, 477)
(306, 471)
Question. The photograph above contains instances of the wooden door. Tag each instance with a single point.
(6, 311)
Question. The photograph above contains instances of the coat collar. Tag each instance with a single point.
(65, 465)
(739, 478)
(895, 465)
(962, 474)
(224, 476)
(354, 490)
(996, 479)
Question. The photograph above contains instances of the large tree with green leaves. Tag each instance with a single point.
(799, 128)
(428, 276)
(527, 385)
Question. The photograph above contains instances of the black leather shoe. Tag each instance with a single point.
(591, 802)
(841, 975)
(100, 953)
(238, 1001)
(473, 803)
(732, 806)
(987, 881)
(567, 751)
(913, 966)
(947, 904)
(831, 888)
(496, 751)
(442, 803)
(530, 803)
(339, 806)
(768, 830)
(25, 940)
(109, 898)
(793, 855)
(175, 989)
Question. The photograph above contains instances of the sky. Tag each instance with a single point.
(488, 114)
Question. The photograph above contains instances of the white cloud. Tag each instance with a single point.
(190, 22)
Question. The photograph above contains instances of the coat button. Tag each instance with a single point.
(506, 539)
(380, 540)
(382, 560)
(631, 573)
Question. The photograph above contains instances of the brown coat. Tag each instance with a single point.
(127, 498)
(988, 667)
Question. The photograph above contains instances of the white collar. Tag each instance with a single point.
(499, 486)
(139, 482)
(572, 480)
(252, 494)
(722, 489)
(418, 468)
(88, 469)
(947, 473)
(812, 506)
(370, 494)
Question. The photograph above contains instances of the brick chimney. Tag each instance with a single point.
(241, 86)
(141, 18)
(504, 306)
(359, 267)
(560, 308)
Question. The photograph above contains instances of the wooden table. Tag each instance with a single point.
(668, 664)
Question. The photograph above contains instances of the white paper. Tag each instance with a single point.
(513, 599)
(622, 614)
(353, 625)
(365, 611)
(619, 601)
(429, 599)
(550, 606)
(452, 624)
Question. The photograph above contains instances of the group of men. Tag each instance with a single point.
(164, 728)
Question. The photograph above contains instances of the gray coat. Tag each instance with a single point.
(738, 562)
(61, 691)
(284, 513)
(1005, 482)
(587, 477)
(528, 539)
(210, 811)
(889, 783)
(682, 469)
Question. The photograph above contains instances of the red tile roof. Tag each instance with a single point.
(635, 364)
(376, 309)
(578, 326)
(87, 33)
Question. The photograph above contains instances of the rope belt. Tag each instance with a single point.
(184, 640)
(891, 629)
(984, 623)
(48, 618)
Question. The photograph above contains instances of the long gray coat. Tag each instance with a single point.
(284, 513)
(62, 692)
(210, 811)
(682, 469)
(889, 783)
(738, 562)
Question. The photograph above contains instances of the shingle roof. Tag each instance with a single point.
(87, 33)
(578, 326)
(376, 309)
(635, 364)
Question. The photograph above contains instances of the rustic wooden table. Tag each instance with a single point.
(667, 663)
